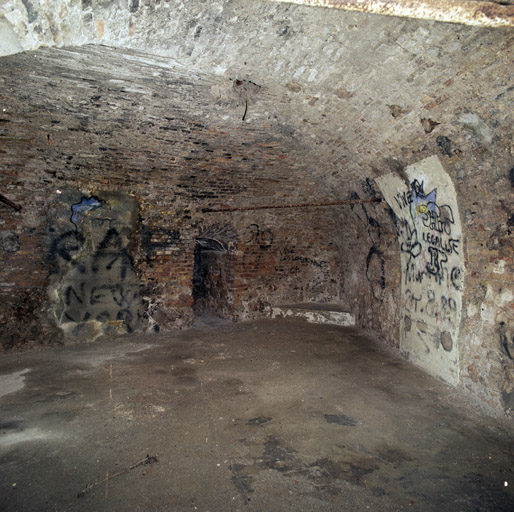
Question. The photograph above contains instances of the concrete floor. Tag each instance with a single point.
(265, 416)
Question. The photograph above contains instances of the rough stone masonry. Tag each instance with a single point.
(136, 105)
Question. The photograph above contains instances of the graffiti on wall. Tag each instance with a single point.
(430, 241)
(258, 243)
(425, 229)
(94, 284)
(102, 287)
(375, 261)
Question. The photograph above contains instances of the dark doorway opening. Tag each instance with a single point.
(211, 294)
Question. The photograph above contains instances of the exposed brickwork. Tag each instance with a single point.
(174, 164)
(330, 103)
(370, 270)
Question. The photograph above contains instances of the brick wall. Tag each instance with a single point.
(95, 120)
(66, 139)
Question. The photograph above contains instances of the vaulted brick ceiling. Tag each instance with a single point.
(350, 94)
(181, 105)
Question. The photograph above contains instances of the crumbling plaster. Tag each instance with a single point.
(349, 97)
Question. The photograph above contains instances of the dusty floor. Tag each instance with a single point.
(265, 416)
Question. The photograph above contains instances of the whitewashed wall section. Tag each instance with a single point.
(430, 238)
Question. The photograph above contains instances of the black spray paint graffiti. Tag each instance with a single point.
(310, 261)
(442, 308)
(456, 278)
(375, 270)
(317, 284)
(316, 273)
(438, 221)
(81, 299)
(112, 256)
(258, 243)
(262, 238)
(375, 261)
(411, 245)
(101, 286)
(63, 248)
(506, 341)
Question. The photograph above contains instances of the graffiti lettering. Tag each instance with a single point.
(404, 199)
(258, 243)
(101, 286)
(437, 260)
(426, 236)
(319, 264)
(262, 238)
(431, 306)
(110, 252)
(448, 306)
(430, 242)
(448, 246)
(438, 218)
(65, 247)
(456, 278)
(71, 292)
(411, 303)
(435, 222)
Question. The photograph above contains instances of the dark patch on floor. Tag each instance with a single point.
(174, 358)
(324, 473)
(241, 426)
(186, 380)
(183, 371)
(60, 395)
(341, 419)
(355, 473)
(10, 425)
(260, 420)
(277, 455)
(60, 415)
(242, 481)
(232, 387)
(393, 456)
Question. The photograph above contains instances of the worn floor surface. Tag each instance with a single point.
(263, 416)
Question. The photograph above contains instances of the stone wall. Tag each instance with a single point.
(93, 287)
(234, 103)
(432, 260)
(347, 86)
(370, 264)
(115, 178)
